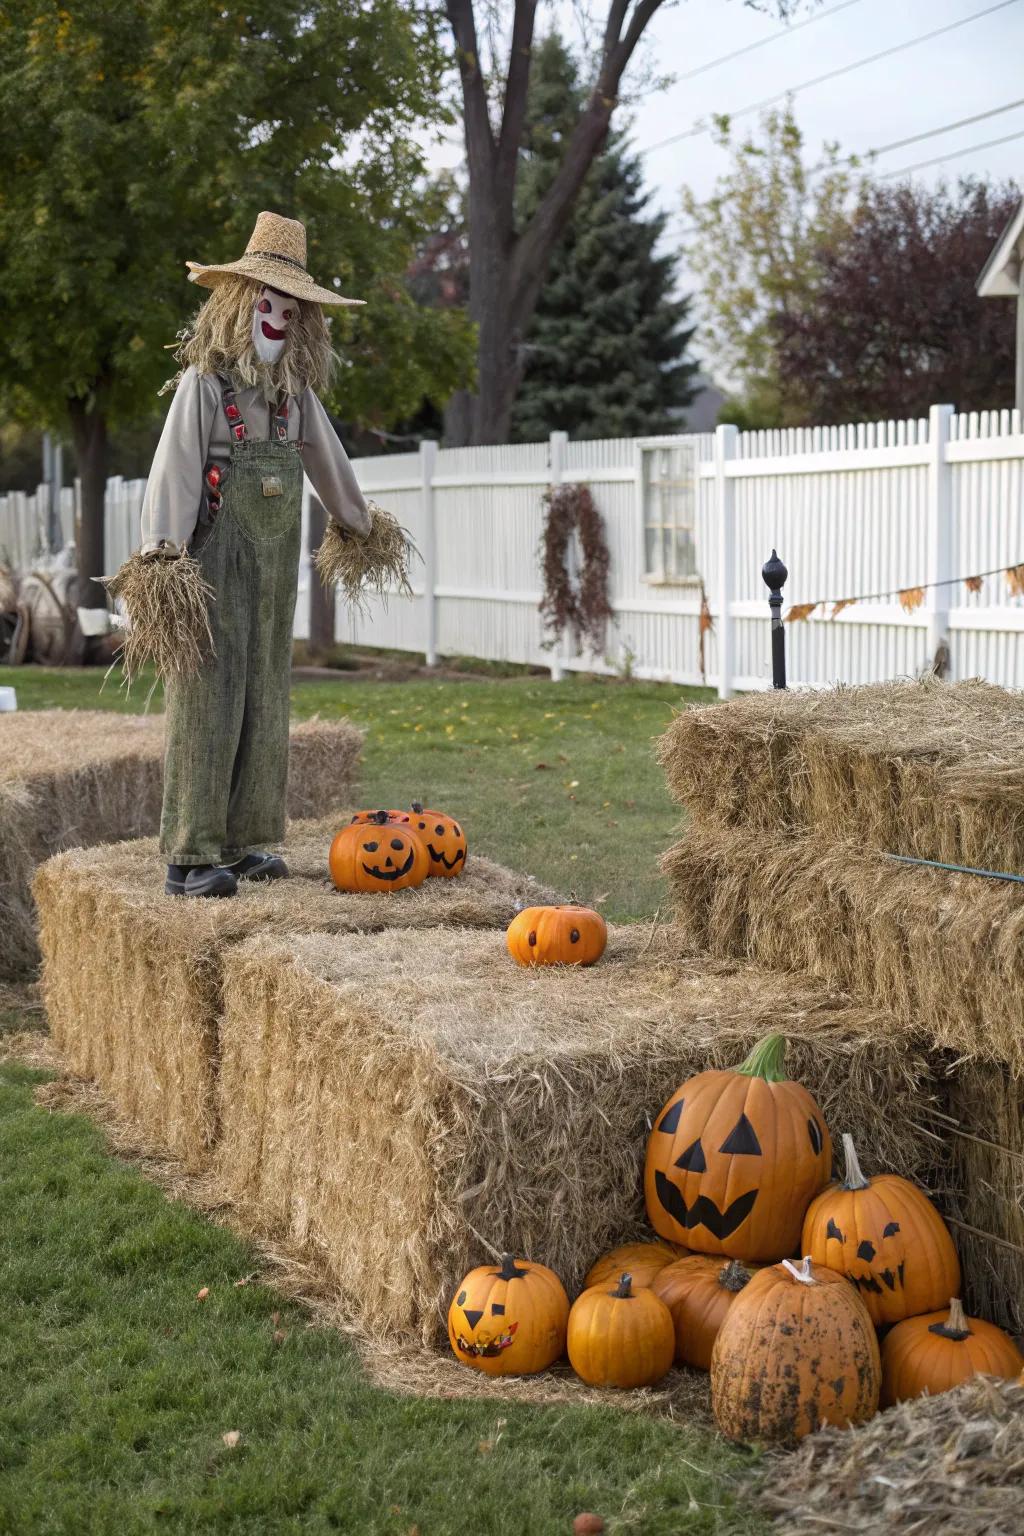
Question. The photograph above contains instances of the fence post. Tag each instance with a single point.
(556, 461)
(428, 464)
(725, 504)
(940, 519)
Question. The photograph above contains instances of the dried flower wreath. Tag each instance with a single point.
(584, 610)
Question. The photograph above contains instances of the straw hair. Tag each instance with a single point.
(377, 563)
(219, 340)
(275, 255)
(166, 600)
(404, 1108)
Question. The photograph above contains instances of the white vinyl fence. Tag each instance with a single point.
(853, 511)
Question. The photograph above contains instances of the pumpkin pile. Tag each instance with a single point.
(763, 1273)
(396, 850)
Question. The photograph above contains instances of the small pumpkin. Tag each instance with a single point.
(444, 839)
(699, 1291)
(557, 936)
(642, 1260)
(509, 1320)
(620, 1337)
(377, 856)
(940, 1350)
(735, 1157)
(797, 1350)
(885, 1236)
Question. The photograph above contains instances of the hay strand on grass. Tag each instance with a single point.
(167, 603)
(377, 563)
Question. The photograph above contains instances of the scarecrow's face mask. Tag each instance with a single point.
(270, 318)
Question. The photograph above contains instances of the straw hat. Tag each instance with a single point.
(275, 255)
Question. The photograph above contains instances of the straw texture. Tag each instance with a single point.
(398, 1106)
(378, 563)
(167, 603)
(133, 978)
(74, 778)
(929, 769)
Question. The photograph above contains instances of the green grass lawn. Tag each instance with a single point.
(117, 1385)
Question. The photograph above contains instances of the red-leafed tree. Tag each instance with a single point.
(892, 323)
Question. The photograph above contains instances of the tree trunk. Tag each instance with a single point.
(89, 430)
(321, 599)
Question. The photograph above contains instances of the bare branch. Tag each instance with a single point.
(516, 89)
(480, 147)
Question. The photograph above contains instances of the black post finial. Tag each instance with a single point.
(774, 574)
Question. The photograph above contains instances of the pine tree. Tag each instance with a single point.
(608, 345)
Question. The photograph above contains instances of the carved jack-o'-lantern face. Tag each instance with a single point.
(377, 856)
(444, 839)
(509, 1320)
(734, 1158)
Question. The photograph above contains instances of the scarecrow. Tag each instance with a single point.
(210, 596)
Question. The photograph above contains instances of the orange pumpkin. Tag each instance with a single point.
(509, 1320)
(557, 936)
(698, 1292)
(734, 1158)
(621, 1337)
(377, 856)
(444, 839)
(642, 1260)
(940, 1350)
(885, 1235)
(797, 1350)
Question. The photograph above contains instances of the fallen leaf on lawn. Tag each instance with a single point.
(245, 1280)
(202, 1295)
(279, 1337)
(485, 1447)
(573, 784)
(538, 766)
(231, 1438)
(275, 1318)
(587, 1524)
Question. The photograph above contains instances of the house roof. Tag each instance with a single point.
(1001, 274)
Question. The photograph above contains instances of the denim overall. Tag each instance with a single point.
(226, 760)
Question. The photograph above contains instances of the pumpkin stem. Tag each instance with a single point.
(624, 1286)
(417, 807)
(803, 1274)
(766, 1060)
(955, 1326)
(508, 1270)
(380, 818)
(854, 1177)
(734, 1276)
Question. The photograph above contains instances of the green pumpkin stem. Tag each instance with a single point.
(624, 1287)
(734, 1276)
(508, 1269)
(854, 1178)
(766, 1060)
(956, 1326)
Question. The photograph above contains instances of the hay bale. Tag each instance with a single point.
(931, 770)
(938, 1466)
(132, 978)
(396, 1107)
(74, 778)
(944, 953)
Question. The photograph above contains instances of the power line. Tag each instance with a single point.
(833, 74)
(798, 26)
(916, 138)
(953, 155)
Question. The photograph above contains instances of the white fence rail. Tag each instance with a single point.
(853, 511)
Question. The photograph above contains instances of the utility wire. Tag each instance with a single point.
(954, 154)
(798, 26)
(832, 74)
(916, 138)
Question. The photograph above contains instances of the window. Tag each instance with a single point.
(669, 504)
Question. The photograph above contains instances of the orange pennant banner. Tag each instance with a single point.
(799, 612)
(973, 583)
(1015, 578)
(844, 602)
(911, 598)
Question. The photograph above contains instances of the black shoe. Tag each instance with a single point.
(260, 866)
(199, 880)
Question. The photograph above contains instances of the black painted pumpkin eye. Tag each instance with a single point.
(866, 1251)
(692, 1160)
(742, 1139)
(423, 826)
(531, 939)
(439, 831)
(371, 847)
(574, 937)
(396, 842)
(670, 1119)
(814, 1132)
(833, 1231)
(890, 1229)
(497, 1309)
(460, 1299)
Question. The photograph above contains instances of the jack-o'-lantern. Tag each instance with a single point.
(642, 1260)
(940, 1350)
(735, 1157)
(620, 1337)
(444, 838)
(377, 856)
(797, 1350)
(884, 1235)
(557, 936)
(699, 1291)
(509, 1320)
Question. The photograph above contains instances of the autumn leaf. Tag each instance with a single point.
(231, 1438)
(202, 1295)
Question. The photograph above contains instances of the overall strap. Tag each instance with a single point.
(236, 426)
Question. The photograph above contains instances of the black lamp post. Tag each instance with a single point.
(774, 574)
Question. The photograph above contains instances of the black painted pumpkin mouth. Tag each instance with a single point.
(391, 874)
(439, 858)
(703, 1212)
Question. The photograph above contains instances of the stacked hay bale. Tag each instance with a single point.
(74, 778)
(797, 803)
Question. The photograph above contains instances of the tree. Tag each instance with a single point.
(753, 245)
(140, 134)
(508, 262)
(605, 350)
(892, 323)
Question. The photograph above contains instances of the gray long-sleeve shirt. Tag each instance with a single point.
(195, 435)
